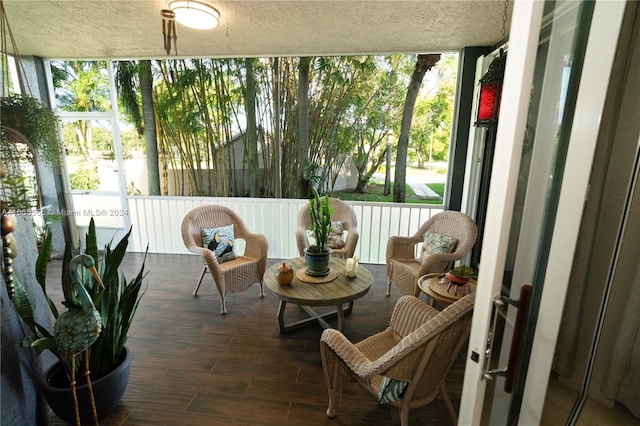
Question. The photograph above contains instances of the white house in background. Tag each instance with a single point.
(234, 157)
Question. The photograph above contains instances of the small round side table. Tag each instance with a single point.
(439, 289)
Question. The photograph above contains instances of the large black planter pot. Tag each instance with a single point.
(107, 390)
(317, 263)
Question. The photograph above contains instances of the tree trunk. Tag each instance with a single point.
(302, 190)
(252, 129)
(387, 173)
(150, 133)
(277, 156)
(423, 64)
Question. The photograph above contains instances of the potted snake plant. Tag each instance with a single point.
(109, 360)
(318, 255)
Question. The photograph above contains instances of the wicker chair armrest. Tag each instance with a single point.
(210, 257)
(409, 314)
(401, 248)
(256, 245)
(352, 357)
(441, 262)
(194, 248)
(302, 240)
(399, 362)
(356, 361)
(189, 240)
(212, 262)
(352, 241)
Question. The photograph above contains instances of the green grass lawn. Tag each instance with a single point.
(437, 187)
(375, 193)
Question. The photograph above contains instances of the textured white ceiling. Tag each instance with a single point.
(125, 29)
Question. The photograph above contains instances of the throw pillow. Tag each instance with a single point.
(390, 390)
(336, 240)
(220, 241)
(435, 243)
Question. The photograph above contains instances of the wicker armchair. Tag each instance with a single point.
(402, 267)
(341, 212)
(235, 275)
(416, 351)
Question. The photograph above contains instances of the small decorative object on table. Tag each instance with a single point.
(352, 266)
(284, 276)
(458, 277)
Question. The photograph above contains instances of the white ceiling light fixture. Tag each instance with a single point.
(195, 14)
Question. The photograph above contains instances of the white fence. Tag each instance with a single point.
(156, 221)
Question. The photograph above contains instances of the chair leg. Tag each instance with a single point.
(331, 410)
(416, 291)
(388, 293)
(333, 387)
(404, 416)
(333, 398)
(447, 402)
(261, 289)
(204, 271)
(223, 310)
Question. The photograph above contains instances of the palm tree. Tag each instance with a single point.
(129, 77)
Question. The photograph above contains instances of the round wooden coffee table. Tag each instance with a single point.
(439, 290)
(337, 292)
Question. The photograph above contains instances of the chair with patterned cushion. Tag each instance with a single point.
(405, 365)
(211, 231)
(446, 237)
(344, 222)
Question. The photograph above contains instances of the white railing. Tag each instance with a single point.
(156, 221)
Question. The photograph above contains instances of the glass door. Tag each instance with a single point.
(558, 66)
(86, 104)
(93, 170)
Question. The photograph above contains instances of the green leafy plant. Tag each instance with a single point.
(37, 122)
(85, 178)
(463, 271)
(132, 190)
(42, 226)
(14, 192)
(320, 210)
(117, 302)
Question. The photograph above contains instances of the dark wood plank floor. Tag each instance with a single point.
(193, 366)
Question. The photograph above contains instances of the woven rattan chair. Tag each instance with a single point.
(402, 267)
(341, 212)
(416, 351)
(235, 275)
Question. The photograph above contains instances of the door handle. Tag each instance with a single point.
(509, 372)
(518, 337)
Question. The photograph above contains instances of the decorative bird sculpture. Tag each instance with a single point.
(76, 330)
